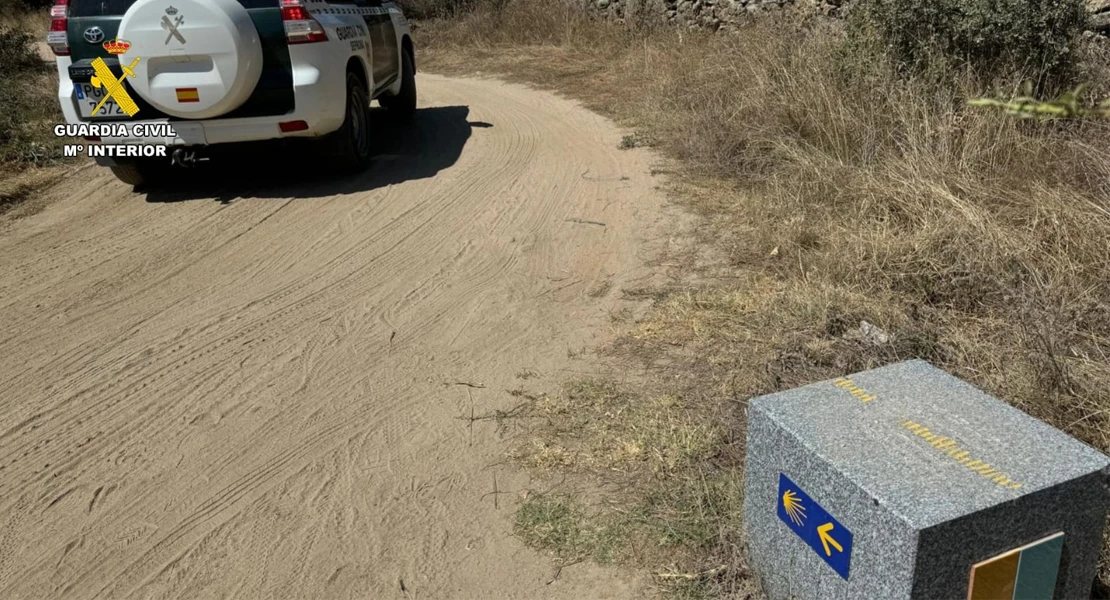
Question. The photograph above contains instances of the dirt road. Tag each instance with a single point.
(252, 387)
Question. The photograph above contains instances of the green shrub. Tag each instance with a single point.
(30, 110)
(17, 53)
(441, 9)
(20, 9)
(1032, 39)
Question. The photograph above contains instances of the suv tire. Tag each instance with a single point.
(139, 172)
(403, 106)
(350, 144)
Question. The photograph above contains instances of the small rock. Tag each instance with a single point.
(1101, 22)
(873, 334)
(1097, 6)
(1097, 40)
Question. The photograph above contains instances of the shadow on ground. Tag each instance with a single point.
(432, 142)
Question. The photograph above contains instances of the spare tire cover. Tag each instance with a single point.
(198, 59)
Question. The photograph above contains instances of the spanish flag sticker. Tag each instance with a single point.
(187, 95)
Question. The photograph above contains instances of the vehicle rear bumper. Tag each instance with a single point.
(320, 101)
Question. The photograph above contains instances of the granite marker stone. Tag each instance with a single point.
(927, 477)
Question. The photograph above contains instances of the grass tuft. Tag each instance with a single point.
(596, 425)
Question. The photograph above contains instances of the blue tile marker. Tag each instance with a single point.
(828, 538)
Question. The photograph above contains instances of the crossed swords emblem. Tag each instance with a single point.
(114, 87)
(171, 26)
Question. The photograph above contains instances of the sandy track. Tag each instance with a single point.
(246, 388)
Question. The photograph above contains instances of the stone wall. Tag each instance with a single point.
(710, 14)
(723, 14)
(1100, 15)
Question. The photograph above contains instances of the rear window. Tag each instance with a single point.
(116, 8)
(99, 8)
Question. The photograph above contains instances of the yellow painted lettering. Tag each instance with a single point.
(949, 446)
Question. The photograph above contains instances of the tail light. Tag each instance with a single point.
(291, 126)
(300, 26)
(59, 20)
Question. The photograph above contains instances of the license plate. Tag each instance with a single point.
(88, 97)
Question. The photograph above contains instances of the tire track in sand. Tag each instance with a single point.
(217, 399)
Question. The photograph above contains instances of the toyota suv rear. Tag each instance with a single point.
(225, 71)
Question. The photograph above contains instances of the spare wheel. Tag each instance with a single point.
(198, 59)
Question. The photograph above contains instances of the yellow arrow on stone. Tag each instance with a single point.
(826, 539)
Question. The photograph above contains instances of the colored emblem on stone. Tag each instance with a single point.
(793, 507)
(817, 528)
(1028, 572)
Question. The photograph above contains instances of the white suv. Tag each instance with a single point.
(207, 72)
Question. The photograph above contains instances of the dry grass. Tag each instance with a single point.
(838, 193)
(16, 14)
(596, 425)
(29, 152)
(669, 500)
